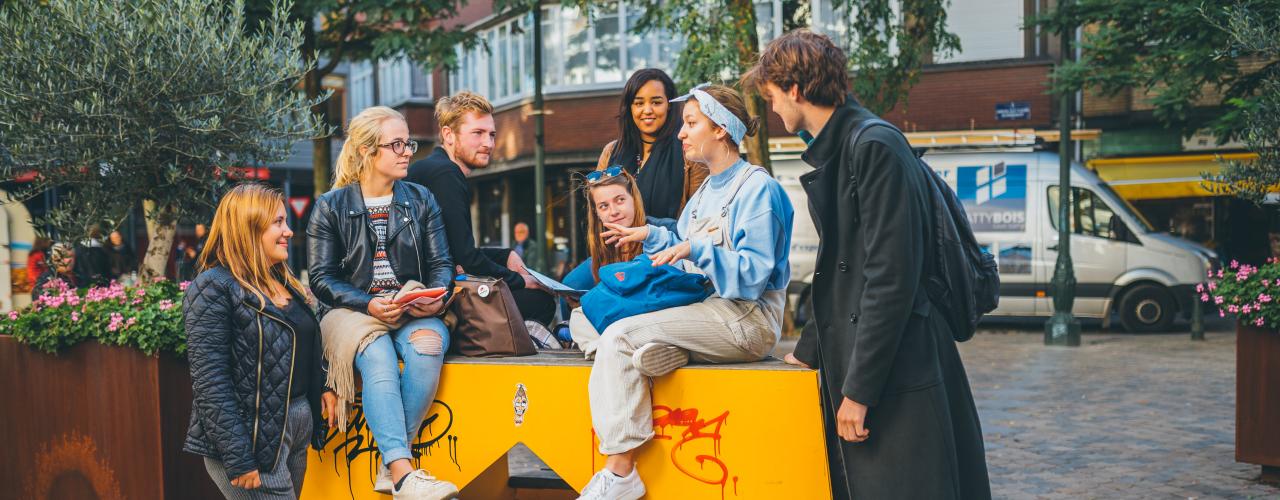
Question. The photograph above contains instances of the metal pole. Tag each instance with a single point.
(539, 152)
(1062, 328)
(1197, 318)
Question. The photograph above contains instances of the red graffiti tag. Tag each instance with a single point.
(694, 429)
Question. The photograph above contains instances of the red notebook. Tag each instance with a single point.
(424, 296)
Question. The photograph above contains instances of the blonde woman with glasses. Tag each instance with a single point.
(372, 237)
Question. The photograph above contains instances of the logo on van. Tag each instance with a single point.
(995, 196)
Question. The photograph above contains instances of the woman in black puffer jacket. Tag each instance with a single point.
(257, 371)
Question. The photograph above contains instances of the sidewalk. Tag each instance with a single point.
(1121, 416)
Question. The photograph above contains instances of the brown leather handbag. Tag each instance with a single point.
(484, 320)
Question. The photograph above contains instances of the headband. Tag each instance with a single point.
(716, 112)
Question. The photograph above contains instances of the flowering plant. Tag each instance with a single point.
(147, 316)
(1251, 293)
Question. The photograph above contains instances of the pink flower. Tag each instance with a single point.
(75, 316)
(1235, 264)
(1217, 300)
(1266, 283)
(13, 315)
(116, 321)
(131, 322)
(1212, 286)
(166, 305)
(1204, 297)
(1246, 309)
(183, 286)
(1233, 309)
(1259, 322)
(1199, 287)
(1219, 273)
(1222, 314)
(141, 292)
(1264, 298)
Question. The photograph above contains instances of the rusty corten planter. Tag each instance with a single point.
(1258, 399)
(96, 422)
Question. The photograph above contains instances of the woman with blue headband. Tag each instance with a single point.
(736, 229)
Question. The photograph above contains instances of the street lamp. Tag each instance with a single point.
(539, 147)
(1062, 328)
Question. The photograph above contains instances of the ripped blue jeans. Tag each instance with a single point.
(394, 402)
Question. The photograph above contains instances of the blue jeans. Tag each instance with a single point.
(395, 403)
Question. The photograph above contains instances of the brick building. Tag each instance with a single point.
(587, 61)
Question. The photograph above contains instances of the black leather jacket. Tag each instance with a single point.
(341, 242)
(242, 371)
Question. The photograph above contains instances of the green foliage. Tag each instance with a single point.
(355, 30)
(886, 48)
(121, 101)
(1255, 33)
(1179, 51)
(1251, 294)
(147, 317)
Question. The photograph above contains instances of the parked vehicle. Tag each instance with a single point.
(1122, 264)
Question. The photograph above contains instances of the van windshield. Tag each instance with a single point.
(1146, 224)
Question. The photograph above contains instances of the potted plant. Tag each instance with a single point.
(101, 395)
(1252, 295)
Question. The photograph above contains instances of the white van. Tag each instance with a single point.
(1121, 263)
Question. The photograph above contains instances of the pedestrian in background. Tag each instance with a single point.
(123, 260)
(526, 246)
(61, 266)
(38, 259)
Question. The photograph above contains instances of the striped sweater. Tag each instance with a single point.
(384, 277)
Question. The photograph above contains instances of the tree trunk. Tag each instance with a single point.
(758, 146)
(748, 51)
(321, 154)
(161, 228)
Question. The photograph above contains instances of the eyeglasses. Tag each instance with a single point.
(398, 146)
(600, 175)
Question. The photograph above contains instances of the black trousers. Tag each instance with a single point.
(535, 305)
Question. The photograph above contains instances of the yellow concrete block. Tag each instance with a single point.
(723, 431)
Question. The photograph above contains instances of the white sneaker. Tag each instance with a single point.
(655, 359)
(383, 484)
(418, 485)
(606, 485)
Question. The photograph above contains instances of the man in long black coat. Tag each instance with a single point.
(900, 416)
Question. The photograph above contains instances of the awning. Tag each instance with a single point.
(1162, 177)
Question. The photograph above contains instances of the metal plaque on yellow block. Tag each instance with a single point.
(722, 431)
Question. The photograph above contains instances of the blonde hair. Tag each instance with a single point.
(450, 110)
(235, 240)
(365, 130)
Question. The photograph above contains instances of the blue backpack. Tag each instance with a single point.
(636, 287)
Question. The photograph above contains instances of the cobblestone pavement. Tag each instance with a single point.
(1121, 416)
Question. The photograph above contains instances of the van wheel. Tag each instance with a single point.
(1147, 308)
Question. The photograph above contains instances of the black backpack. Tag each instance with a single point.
(965, 281)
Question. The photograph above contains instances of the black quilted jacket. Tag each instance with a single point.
(341, 242)
(241, 358)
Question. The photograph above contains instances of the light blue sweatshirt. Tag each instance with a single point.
(759, 221)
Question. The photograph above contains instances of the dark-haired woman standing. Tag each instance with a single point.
(648, 147)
